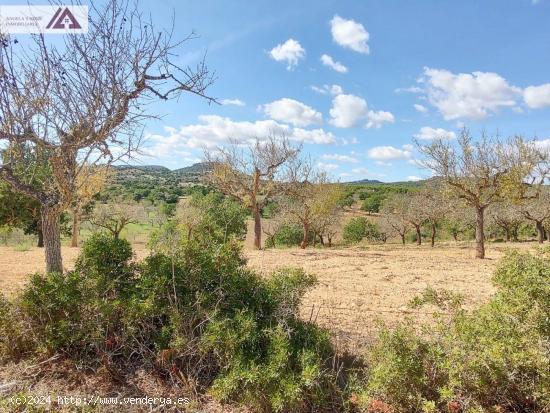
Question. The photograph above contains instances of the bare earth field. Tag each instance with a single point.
(357, 286)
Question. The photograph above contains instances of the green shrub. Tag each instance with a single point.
(200, 312)
(373, 202)
(354, 230)
(495, 358)
(288, 235)
(359, 228)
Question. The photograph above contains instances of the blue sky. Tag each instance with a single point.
(356, 81)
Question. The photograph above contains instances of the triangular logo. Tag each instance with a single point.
(63, 19)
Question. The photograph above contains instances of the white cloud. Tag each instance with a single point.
(377, 119)
(537, 96)
(413, 178)
(349, 34)
(292, 111)
(420, 108)
(428, 133)
(468, 95)
(367, 172)
(337, 66)
(327, 166)
(347, 110)
(340, 158)
(388, 153)
(312, 136)
(328, 89)
(235, 102)
(290, 52)
(543, 144)
(411, 89)
(214, 130)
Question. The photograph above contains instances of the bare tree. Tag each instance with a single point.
(251, 173)
(537, 210)
(486, 171)
(393, 221)
(115, 216)
(507, 216)
(82, 102)
(434, 204)
(407, 209)
(310, 198)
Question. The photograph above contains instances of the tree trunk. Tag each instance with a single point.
(433, 235)
(507, 230)
(480, 234)
(403, 238)
(540, 231)
(52, 239)
(329, 239)
(76, 227)
(322, 240)
(40, 243)
(455, 236)
(418, 235)
(257, 228)
(304, 242)
(314, 240)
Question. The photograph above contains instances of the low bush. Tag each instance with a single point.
(359, 228)
(495, 358)
(199, 314)
(288, 235)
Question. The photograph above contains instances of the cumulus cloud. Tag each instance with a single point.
(235, 102)
(330, 62)
(291, 111)
(328, 89)
(388, 153)
(420, 108)
(327, 166)
(411, 89)
(468, 95)
(214, 130)
(413, 178)
(350, 34)
(347, 110)
(339, 158)
(377, 119)
(537, 96)
(290, 52)
(428, 133)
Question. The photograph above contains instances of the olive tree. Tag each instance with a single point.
(83, 101)
(486, 171)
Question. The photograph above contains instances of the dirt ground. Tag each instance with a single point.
(357, 286)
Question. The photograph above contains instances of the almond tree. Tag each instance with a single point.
(537, 210)
(435, 206)
(507, 216)
(82, 100)
(394, 215)
(117, 215)
(486, 171)
(251, 173)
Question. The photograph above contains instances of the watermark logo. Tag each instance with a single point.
(63, 19)
(43, 19)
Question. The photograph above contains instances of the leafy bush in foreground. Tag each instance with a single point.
(200, 313)
(495, 358)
